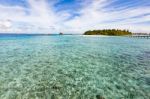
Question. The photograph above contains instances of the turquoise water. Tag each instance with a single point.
(74, 67)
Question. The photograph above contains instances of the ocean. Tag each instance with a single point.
(74, 67)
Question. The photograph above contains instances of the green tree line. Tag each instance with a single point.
(111, 32)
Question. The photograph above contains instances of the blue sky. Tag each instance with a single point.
(73, 16)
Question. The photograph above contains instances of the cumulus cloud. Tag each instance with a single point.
(41, 16)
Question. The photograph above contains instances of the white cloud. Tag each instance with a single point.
(41, 17)
(94, 16)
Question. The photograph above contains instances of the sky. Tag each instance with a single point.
(73, 16)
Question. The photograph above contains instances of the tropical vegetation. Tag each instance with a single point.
(111, 32)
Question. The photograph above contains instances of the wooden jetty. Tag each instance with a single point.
(140, 35)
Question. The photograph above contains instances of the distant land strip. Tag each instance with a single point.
(110, 32)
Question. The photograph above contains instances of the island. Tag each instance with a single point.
(109, 32)
(60, 33)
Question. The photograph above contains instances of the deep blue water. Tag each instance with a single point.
(74, 67)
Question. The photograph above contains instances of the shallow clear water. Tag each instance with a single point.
(74, 67)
